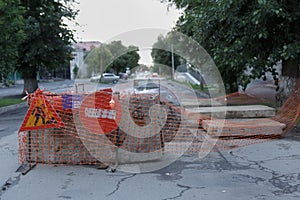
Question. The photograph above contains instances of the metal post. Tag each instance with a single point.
(173, 70)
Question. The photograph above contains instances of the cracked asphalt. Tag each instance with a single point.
(268, 170)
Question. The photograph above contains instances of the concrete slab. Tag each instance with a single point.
(249, 111)
(187, 103)
(246, 127)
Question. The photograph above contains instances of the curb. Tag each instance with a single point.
(12, 107)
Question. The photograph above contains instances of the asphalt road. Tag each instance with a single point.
(57, 86)
(262, 171)
(11, 121)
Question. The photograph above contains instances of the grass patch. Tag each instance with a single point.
(195, 87)
(10, 101)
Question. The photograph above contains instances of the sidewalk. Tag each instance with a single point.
(16, 90)
(49, 85)
(188, 91)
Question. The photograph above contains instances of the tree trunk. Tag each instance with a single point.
(290, 68)
(30, 83)
(290, 74)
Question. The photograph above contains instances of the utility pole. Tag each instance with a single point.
(173, 70)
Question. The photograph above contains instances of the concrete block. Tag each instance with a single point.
(250, 111)
(245, 127)
(187, 103)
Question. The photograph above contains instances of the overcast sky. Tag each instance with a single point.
(102, 20)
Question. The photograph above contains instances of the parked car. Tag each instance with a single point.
(147, 88)
(154, 87)
(95, 78)
(106, 78)
(123, 75)
(154, 75)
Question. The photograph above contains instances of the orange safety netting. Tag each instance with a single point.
(91, 128)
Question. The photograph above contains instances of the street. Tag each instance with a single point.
(267, 170)
(10, 121)
(150, 100)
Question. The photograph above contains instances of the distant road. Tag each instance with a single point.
(54, 86)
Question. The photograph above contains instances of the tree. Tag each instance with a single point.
(98, 59)
(116, 48)
(161, 51)
(123, 56)
(75, 70)
(245, 34)
(48, 38)
(133, 56)
(11, 31)
(112, 57)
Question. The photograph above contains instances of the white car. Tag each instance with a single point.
(147, 88)
(106, 77)
(154, 87)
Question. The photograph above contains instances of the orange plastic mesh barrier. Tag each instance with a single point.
(93, 128)
(89, 133)
(290, 111)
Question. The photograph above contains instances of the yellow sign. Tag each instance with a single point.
(40, 115)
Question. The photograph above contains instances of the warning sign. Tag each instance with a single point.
(97, 113)
(40, 115)
(100, 113)
(70, 101)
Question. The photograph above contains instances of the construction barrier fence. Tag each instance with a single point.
(102, 127)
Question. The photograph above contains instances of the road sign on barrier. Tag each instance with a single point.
(40, 115)
(97, 113)
(70, 101)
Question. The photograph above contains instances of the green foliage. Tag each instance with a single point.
(48, 38)
(75, 70)
(116, 48)
(7, 83)
(9, 101)
(123, 56)
(112, 57)
(11, 35)
(241, 34)
(98, 59)
(162, 51)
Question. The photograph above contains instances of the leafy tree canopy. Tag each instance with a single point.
(162, 51)
(48, 38)
(123, 56)
(241, 34)
(112, 57)
(98, 59)
(11, 35)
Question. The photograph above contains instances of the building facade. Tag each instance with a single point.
(81, 49)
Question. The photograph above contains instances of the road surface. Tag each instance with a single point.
(11, 121)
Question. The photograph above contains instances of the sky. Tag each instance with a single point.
(102, 20)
